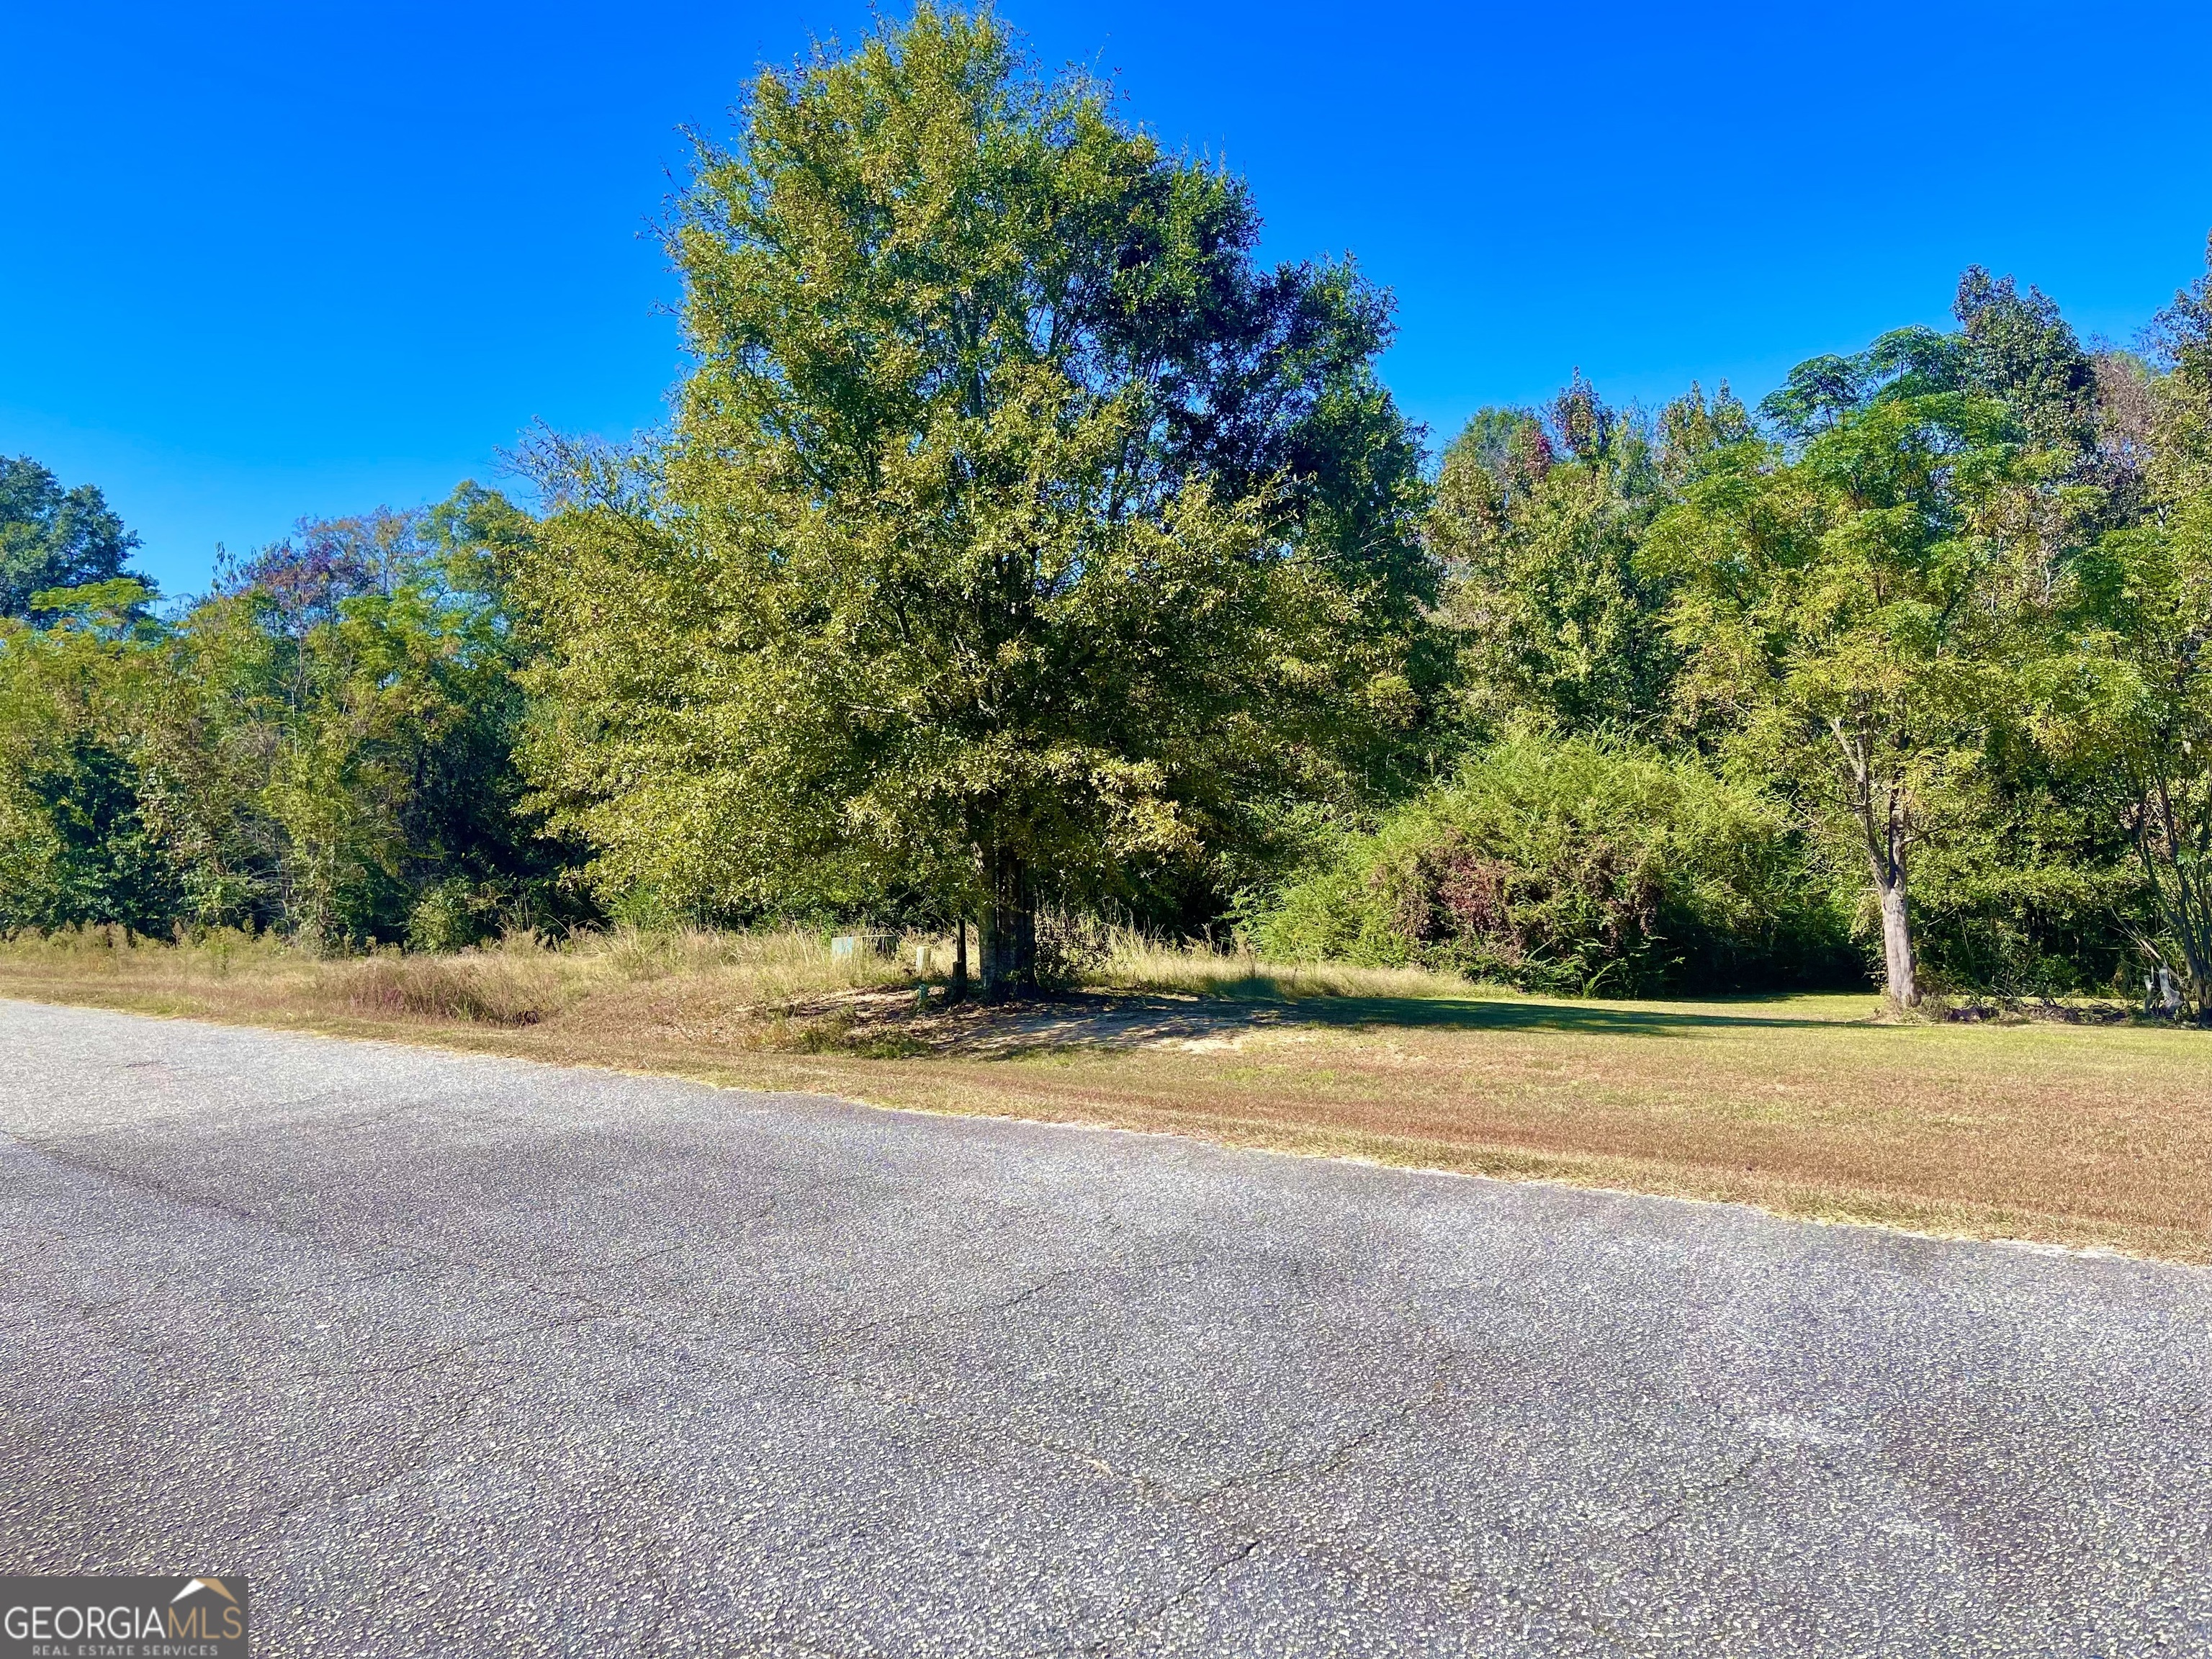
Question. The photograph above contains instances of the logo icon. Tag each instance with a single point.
(59, 1617)
(215, 1584)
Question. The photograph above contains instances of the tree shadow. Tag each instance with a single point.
(1135, 1019)
(1483, 1014)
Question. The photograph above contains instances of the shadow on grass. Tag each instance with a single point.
(1486, 1014)
(1131, 1018)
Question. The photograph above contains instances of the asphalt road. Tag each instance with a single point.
(470, 1357)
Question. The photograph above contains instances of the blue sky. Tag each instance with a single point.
(263, 261)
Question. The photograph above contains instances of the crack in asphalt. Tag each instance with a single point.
(339, 1494)
(1204, 1500)
(408, 1367)
(1693, 1496)
(1182, 1596)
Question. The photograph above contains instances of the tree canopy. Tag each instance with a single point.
(322, 744)
(1843, 613)
(52, 537)
(1016, 525)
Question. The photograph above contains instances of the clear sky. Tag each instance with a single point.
(263, 261)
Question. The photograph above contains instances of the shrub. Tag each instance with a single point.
(452, 915)
(1577, 867)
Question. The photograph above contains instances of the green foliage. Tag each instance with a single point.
(323, 747)
(1574, 865)
(2029, 888)
(452, 914)
(2017, 349)
(1015, 529)
(75, 843)
(52, 537)
(1850, 613)
(1558, 624)
(1019, 538)
(2011, 348)
(2125, 697)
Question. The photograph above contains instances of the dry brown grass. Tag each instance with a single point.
(1812, 1106)
(1132, 962)
(521, 981)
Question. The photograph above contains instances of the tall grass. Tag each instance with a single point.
(521, 980)
(776, 988)
(1125, 959)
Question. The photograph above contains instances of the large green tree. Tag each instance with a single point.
(1846, 606)
(52, 537)
(1539, 522)
(1018, 531)
(2127, 694)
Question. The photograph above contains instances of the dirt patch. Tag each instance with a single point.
(1039, 1026)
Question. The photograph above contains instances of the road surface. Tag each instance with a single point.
(463, 1356)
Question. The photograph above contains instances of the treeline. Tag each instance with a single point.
(326, 744)
(1020, 544)
(1934, 599)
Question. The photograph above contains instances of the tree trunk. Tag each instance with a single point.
(1006, 932)
(958, 990)
(2183, 896)
(1882, 817)
(1897, 941)
(1886, 851)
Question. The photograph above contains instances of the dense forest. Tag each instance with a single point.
(1022, 548)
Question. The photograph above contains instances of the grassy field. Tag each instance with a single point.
(2085, 1135)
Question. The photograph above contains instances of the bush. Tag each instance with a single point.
(1576, 867)
(452, 915)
